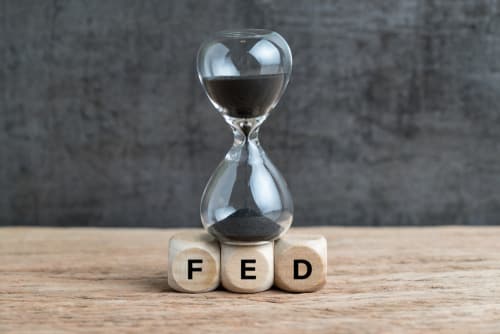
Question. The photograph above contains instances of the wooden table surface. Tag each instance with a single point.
(380, 280)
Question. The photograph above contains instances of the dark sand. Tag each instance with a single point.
(245, 97)
(246, 225)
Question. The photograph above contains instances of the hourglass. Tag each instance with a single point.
(244, 74)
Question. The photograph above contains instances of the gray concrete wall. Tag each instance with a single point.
(392, 115)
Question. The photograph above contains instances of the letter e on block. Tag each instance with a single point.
(247, 269)
(193, 262)
(300, 263)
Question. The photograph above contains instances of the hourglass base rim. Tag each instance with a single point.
(246, 227)
(237, 241)
(246, 243)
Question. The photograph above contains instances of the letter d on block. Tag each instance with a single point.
(300, 263)
(193, 262)
(296, 263)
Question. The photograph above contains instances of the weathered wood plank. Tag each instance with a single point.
(442, 279)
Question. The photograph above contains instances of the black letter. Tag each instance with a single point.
(296, 269)
(191, 269)
(244, 268)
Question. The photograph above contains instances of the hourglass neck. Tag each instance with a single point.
(245, 130)
(245, 135)
(246, 147)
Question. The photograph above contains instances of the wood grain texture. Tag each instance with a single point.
(410, 280)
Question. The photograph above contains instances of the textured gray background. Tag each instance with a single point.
(392, 115)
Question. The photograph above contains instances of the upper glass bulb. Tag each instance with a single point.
(244, 74)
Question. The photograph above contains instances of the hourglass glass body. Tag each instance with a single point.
(244, 74)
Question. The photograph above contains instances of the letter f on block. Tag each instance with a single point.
(191, 269)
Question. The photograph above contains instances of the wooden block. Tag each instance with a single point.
(247, 269)
(193, 262)
(300, 263)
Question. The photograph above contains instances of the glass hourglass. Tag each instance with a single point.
(244, 73)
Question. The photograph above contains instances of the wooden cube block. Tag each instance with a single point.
(247, 269)
(300, 263)
(193, 262)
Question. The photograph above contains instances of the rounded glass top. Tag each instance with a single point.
(245, 72)
(244, 52)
